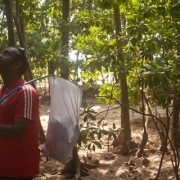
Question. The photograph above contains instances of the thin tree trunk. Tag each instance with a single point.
(145, 121)
(21, 34)
(125, 135)
(74, 166)
(65, 40)
(22, 40)
(175, 124)
(176, 109)
(10, 25)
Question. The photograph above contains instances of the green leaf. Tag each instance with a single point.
(114, 126)
(93, 147)
(84, 139)
(153, 26)
(100, 121)
(104, 132)
(89, 146)
(55, 46)
(98, 144)
(99, 135)
(92, 66)
(91, 116)
(156, 81)
(99, 66)
(85, 118)
(157, 47)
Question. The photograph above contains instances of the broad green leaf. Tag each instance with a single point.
(98, 144)
(153, 26)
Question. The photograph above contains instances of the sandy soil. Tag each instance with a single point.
(113, 166)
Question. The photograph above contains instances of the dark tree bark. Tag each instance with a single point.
(21, 35)
(74, 167)
(176, 106)
(10, 25)
(22, 41)
(145, 121)
(175, 123)
(124, 137)
(65, 40)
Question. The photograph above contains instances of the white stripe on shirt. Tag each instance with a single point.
(27, 102)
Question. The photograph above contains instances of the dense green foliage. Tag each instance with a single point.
(118, 43)
(149, 38)
(150, 32)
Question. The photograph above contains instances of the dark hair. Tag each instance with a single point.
(21, 56)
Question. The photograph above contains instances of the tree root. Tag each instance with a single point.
(70, 171)
(89, 166)
(126, 149)
(76, 168)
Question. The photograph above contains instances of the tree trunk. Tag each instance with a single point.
(125, 119)
(65, 40)
(176, 108)
(22, 40)
(73, 167)
(145, 121)
(175, 124)
(10, 25)
(125, 135)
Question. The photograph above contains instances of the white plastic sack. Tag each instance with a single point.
(63, 126)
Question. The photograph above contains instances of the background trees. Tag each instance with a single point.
(134, 43)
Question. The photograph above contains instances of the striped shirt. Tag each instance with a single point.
(20, 158)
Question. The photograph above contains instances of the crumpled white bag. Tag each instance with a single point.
(63, 126)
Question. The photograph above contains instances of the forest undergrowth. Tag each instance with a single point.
(112, 165)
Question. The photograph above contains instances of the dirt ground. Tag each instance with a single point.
(112, 166)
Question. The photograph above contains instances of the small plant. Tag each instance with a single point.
(93, 130)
